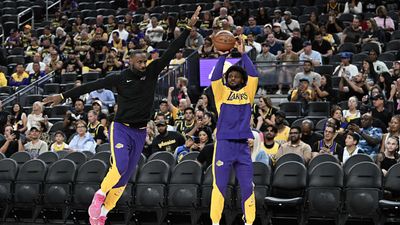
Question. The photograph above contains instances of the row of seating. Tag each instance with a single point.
(325, 191)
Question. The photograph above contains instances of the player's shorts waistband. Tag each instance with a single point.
(140, 125)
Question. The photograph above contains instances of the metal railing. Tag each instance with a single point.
(23, 13)
(32, 88)
(272, 73)
(2, 33)
(52, 6)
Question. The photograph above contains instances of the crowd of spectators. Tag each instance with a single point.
(275, 38)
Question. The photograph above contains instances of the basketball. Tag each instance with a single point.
(224, 41)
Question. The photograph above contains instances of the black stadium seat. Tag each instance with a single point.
(48, 157)
(103, 156)
(388, 205)
(353, 160)
(58, 186)
(151, 188)
(8, 173)
(164, 156)
(190, 156)
(21, 157)
(321, 158)
(290, 157)
(78, 158)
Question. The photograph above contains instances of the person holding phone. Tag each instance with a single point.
(12, 142)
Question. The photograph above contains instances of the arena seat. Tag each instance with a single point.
(48, 157)
(8, 173)
(78, 158)
(388, 205)
(290, 157)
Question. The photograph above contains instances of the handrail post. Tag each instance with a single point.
(47, 10)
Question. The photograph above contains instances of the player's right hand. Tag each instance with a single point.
(53, 100)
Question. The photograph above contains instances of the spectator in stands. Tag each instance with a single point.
(255, 145)
(163, 109)
(82, 141)
(289, 24)
(351, 113)
(209, 121)
(265, 55)
(123, 34)
(95, 128)
(12, 142)
(71, 117)
(353, 7)
(37, 116)
(309, 54)
(151, 133)
(354, 86)
(308, 32)
(307, 74)
(204, 136)
(390, 156)
(282, 135)
(269, 145)
(60, 37)
(195, 40)
(368, 72)
(288, 59)
(105, 96)
(333, 25)
(3, 80)
(223, 15)
(277, 17)
(379, 66)
(385, 83)
(101, 111)
(26, 36)
(334, 6)
(35, 147)
(185, 148)
(370, 137)
(37, 73)
(207, 50)
(69, 6)
(47, 35)
(337, 115)
(380, 112)
(313, 20)
(118, 43)
(373, 34)
(323, 47)
(14, 40)
(395, 72)
(154, 31)
(295, 145)
(188, 122)
(262, 16)
(252, 47)
(302, 94)
(274, 47)
(353, 33)
(328, 145)
(308, 135)
(323, 92)
(68, 45)
(18, 118)
(54, 64)
(252, 27)
(166, 140)
(20, 77)
(265, 113)
(345, 69)
(72, 64)
(59, 144)
(206, 23)
(3, 117)
(383, 20)
(154, 54)
(177, 112)
(178, 60)
(393, 130)
(278, 33)
(352, 140)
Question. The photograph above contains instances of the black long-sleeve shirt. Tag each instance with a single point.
(135, 89)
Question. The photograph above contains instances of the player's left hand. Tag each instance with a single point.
(240, 45)
(195, 17)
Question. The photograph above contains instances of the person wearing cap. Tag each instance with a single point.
(345, 68)
(13, 41)
(166, 140)
(265, 56)
(185, 148)
(288, 24)
(280, 36)
(26, 35)
(59, 144)
(154, 54)
(277, 17)
(123, 34)
(307, 74)
(136, 89)
(111, 61)
(351, 146)
(380, 112)
(234, 93)
(35, 146)
(302, 94)
(178, 60)
(309, 54)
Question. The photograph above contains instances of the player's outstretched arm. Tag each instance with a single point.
(246, 61)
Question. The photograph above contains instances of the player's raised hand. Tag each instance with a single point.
(195, 17)
(240, 45)
(53, 100)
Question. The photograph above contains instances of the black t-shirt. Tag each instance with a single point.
(331, 28)
(387, 163)
(323, 48)
(206, 155)
(12, 148)
(335, 149)
(97, 132)
(383, 116)
(3, 120)
(311, 139)
(358, 95)
(98, 45)
(167, 142)
(297, 43)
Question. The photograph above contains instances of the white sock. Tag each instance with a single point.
(104, 211)
(101, 192)
(247, 224)
(215, 224)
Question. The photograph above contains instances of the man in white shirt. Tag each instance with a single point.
(36, 146)
(123, 34)
(345, 68)
(36, 59)
(154, 31)
(309, 54)
(308, 74)
(289, 24)
(251, 43)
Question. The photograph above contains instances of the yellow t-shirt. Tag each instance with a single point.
(283, 136)
(3, 80)
(19, 78)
